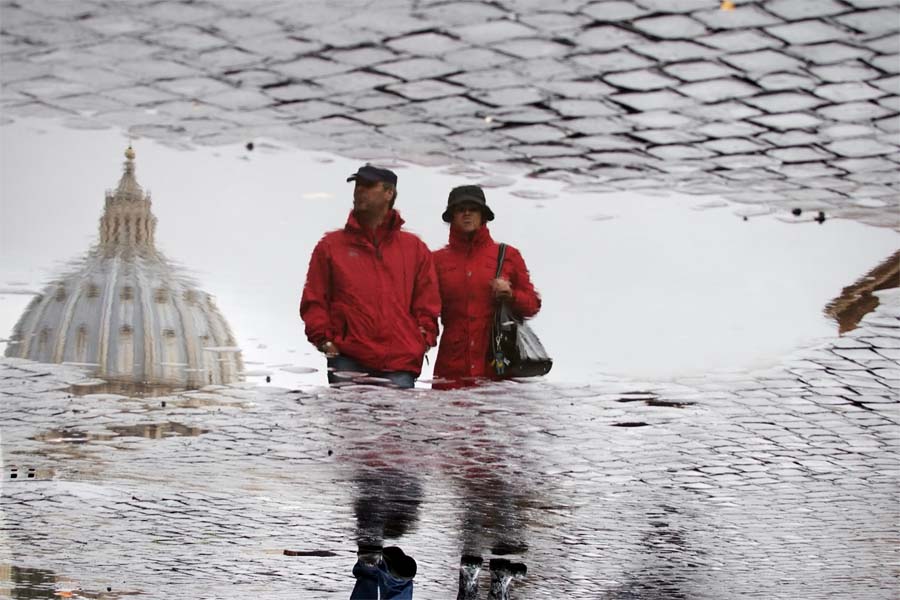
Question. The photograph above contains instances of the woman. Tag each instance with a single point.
(466, 269)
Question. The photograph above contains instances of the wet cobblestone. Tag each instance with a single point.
(780, 484)
(633, 94)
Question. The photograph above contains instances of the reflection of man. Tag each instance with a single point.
(386, 506)
(371, 300)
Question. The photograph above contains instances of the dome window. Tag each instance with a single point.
(43, 339)
(81, 343)
(126, 330)
(60, 294)
(92, 290)
(161, 296)
(127, 293)
(169, 333)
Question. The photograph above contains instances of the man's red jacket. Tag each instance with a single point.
(465, 270)
(370, 293)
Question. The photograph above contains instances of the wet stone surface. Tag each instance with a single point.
(784, 83)
(780, 484)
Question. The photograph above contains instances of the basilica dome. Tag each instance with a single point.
(125, 312)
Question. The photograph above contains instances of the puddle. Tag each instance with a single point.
(25, 473)
(652, 400)
(635, 285)
(857, 300)
(668, 403)
(150, 431)
(314, 553)
(22, 583)
(121, 388)
(200, 402)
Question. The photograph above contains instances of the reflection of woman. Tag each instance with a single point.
(466, 268)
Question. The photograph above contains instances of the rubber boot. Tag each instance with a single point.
(502, 573)
(469, 568)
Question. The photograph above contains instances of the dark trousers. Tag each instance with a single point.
(372, 580)
(343, 369)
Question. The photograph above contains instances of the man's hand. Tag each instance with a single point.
(502, 289)
(329, 349)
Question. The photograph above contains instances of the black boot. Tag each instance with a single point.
(469, 568)
(502, 573)
(398, 564)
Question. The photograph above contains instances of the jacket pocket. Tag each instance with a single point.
(340, 325)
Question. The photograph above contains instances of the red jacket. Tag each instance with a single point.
(465, 269)
(370, 294)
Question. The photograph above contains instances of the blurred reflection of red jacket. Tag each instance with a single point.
(369, 293)
(465, 270)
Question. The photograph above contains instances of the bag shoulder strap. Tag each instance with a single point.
(501, 254)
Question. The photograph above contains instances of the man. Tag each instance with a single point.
(371, 298)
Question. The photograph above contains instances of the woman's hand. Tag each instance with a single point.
(502, 289)
(425, 338)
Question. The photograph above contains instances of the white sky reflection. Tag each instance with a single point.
(640, 286)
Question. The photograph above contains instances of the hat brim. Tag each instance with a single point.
(486, 212)
(356, 176)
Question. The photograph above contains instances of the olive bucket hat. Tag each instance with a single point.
(471, 194)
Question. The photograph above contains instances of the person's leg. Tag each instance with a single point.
(342, 369)
(368, 578)
(400, 379)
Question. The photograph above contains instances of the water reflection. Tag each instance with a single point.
(406, 449)
(387, 504)
(124, 312)
(122, 388)
(857, 300)
(659, 572)
(28, 584)
(153, 431)
(22, 583)
(658, 291)
(496, 495)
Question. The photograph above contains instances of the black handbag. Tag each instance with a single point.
(516, 350)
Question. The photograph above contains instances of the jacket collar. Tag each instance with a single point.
(459, 240)
(392, 222)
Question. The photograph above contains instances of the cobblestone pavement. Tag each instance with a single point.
(792, 102)
(780, 484)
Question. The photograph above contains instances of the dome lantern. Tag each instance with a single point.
(127, 224)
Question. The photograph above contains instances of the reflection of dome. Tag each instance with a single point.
(127, 311)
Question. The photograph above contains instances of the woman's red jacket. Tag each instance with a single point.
(465, 269)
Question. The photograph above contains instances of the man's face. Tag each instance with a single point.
(371, 197)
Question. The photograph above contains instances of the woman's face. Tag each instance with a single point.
(467, 217)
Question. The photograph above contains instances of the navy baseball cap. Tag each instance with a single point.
(369, 172)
